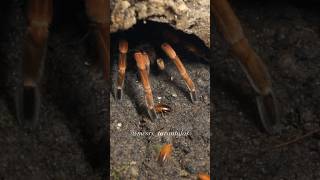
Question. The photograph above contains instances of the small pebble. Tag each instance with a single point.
(119, 125)
(184, 173)
(174, 95)
(190, 169)
(205, 99)
(134, 171)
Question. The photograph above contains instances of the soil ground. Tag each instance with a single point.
(69, 141)
(286, 36)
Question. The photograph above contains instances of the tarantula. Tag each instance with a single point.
(40, 14)
(251, 63)
(154, 48)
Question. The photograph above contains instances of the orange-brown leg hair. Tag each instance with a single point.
(97, 10)
(39, 15)
(142, 63)
(182, 70)
(122, 65)
(147, 62)
(251, 63)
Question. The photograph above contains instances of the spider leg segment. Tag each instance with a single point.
(97, 12)
(203, 176)
(165, 153)
(162, 108)
(251, 63)
(187, 44)
(147, 62)
(182, 70)
(122, 65)
(142, 61)
(39, 13)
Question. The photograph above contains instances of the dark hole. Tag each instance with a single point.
(148, 36)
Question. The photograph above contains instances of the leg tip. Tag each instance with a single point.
(152, 114)
(28, 105)
(119, 94)
(268, 111)
(193, 96)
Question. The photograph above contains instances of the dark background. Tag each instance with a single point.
(286, 35)
(69, 142)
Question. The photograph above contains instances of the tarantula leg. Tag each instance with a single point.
(187, 44)
(122, 65)
(142, 61)
(251, 63)
(97, 10)
(39, 15)
(147, 62)
(182, 70)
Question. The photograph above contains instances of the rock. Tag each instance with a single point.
(134, 172)
(184, 173)
(174, 95)
(119, 125)
(190, 16)
(189, 168)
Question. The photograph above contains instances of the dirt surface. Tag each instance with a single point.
(69, 140)
(286, 36)
(134, 156)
